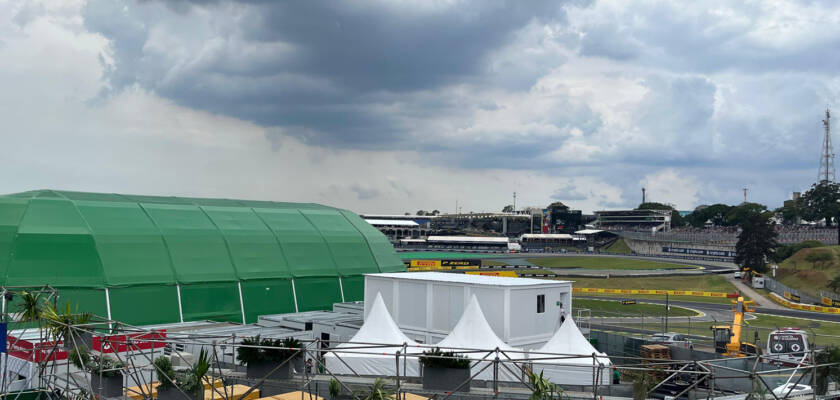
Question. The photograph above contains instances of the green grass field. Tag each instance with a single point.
(603, 263)
(707, 283)
(614, 308)
(618, 247)
(807, 276)
(822, 333)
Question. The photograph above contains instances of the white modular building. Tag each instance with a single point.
(426, 305)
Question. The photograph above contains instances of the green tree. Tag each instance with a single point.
(821, 202)
(756, 242)
(739, 214)
(819, 259)
(790, 212)
(834, 284)
(507, 209)
(716, 213)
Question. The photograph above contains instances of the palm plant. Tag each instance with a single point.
(335, 389)
(30, 308)
(61, 325)
(543, 389)
(189, 381)
(378, 391)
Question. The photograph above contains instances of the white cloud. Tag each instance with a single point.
(671, 187)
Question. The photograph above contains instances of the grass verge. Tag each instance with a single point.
(614, 263)
(707, 283)
(618, 247)
(614, 308)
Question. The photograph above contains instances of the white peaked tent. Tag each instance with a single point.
(569, 370)
(379, 328)
(473, 332)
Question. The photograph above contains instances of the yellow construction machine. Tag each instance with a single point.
(728, 338)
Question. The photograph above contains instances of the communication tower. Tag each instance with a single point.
(827, 156)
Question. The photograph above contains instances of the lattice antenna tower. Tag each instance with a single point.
(827, 156)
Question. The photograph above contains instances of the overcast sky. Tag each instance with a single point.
(390, 106)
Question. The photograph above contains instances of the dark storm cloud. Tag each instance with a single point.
(332, 73)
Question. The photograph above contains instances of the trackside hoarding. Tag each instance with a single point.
(698, 252)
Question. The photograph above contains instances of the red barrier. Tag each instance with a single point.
(139, 341)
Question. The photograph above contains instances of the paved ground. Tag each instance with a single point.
(759, 299)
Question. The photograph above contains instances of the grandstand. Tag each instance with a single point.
(634, 220)
(148, 259)
(543, 241)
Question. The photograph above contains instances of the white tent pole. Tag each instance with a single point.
(241, 303)
(180, 307)
(294, 294)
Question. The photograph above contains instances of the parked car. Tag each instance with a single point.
(737, 275)
(671, 339)
(791, 389)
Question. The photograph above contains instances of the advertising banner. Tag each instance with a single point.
(829, 302)
(698, 252)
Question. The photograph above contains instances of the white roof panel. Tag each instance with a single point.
(468, 279)
(395, 222)
(468, 239)
(589, 231)
(560, 236)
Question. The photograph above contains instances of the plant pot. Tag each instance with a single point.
(259, 370)
(81, 339)
(175, 394)
(108, 386)
(446, 379)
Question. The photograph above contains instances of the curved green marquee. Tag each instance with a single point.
(147, 259)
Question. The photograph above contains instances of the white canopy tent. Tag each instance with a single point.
(571, 370)
(473, 332)
(379, 327)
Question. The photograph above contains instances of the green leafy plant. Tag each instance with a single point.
(270, 350)
(165, 372)
(643, 382)
(436, 358)
(61, 325)
(543, 389)
(106, 366)
(30, 307)
(335, 389)
(188, 381)
(378, 391)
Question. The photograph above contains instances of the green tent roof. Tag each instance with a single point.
(165, 259)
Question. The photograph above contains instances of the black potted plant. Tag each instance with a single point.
(445, 371)
(263, 357)
(181, 385)
(106, 377)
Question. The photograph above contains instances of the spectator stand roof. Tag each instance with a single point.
(149, 259)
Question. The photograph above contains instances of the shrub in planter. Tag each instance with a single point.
(175, 384)
(445, 370)
(106, 377)
(62, 326)
(261, 361)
